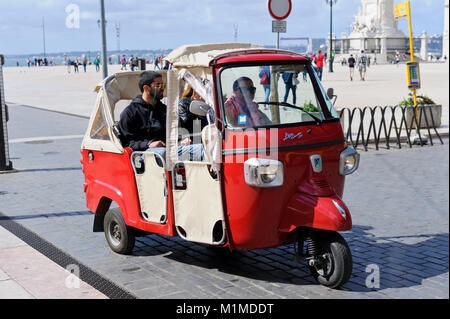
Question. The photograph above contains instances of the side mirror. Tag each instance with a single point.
(199, 108)
(331, 96)
(330, 93)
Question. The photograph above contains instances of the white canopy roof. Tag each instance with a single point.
(193, 56)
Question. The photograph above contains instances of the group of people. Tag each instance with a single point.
(37, 62)
(361, 63)
(142, 124)
(76, 62)
(131, 61)
(161, 64)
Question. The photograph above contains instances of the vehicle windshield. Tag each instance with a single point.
(269, 95)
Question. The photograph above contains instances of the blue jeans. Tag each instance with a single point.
(267, 92)
(319, 71)
(288, 88)
(193, 152)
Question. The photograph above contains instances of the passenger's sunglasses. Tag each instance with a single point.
(160, 86)
(245, 89)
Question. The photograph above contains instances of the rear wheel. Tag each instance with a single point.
(332, 264)
(119, 236)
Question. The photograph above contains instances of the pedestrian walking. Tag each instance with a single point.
(362, 65)
(84, 62)
(351, 66)
(75, 65)
(131, 62)
(97, 64)
(318, 60)
(68, 65)
(124, 63)
(264, 76)
(290, 81)
(157, 63)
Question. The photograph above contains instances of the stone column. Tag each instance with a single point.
(310, 45)
(329, 37)
(343, 42)
(383, 51)
(424, 46)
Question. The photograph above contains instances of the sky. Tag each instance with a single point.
(167, 24)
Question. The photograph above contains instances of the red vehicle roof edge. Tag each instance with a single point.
(258, 55)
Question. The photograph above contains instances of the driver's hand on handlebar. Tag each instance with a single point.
(186, 141)
(156, 144)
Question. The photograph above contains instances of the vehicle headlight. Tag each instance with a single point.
(349, 161)
(263, 172)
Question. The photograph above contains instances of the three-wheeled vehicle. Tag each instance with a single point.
(275, 160)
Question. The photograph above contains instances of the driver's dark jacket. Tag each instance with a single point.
(141, 123)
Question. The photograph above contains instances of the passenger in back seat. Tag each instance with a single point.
(186, 117)
(142, 124)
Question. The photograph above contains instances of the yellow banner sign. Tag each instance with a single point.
(401, 10)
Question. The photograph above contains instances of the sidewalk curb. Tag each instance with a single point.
(89, 276)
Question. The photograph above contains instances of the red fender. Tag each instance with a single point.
(110, 175)
(327, 213)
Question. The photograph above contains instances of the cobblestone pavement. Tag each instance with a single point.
(398, 198)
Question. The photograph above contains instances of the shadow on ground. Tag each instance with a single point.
(398, 261)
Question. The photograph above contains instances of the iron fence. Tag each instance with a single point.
(389, 124)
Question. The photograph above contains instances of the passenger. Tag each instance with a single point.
(186, 117)
(142, 124)
(240, 108)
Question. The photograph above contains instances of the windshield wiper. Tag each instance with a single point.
(318, 120)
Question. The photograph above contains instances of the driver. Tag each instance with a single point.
(240, 108)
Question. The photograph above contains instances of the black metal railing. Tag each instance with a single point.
(389, 124)
(5, 163)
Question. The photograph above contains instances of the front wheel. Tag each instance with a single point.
(119, 236)
(332, 264)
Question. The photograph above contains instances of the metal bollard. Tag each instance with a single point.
(5, 163)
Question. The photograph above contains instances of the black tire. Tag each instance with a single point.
(338, 260)
(119, 236)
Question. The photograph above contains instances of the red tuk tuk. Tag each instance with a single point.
(275, 160)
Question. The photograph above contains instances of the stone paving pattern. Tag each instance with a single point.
(398, 199)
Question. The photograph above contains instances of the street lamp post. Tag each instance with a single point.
(103, 28)
(331, 57)
(43, 35)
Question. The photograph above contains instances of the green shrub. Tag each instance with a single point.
(421, 100)
(309, 107)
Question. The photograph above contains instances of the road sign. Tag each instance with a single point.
(279, 26)
(279, 9)
(413, 71)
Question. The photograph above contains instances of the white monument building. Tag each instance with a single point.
(375, 31)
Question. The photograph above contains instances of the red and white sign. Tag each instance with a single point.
(280, 9)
